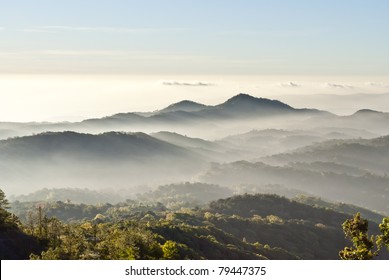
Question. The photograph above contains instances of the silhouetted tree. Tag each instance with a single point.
(4, 204)
(4, 214)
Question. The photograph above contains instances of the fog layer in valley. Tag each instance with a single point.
(244, 142)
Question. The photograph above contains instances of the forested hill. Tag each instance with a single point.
(239, 227)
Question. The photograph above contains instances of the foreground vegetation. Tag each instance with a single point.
(238, 227)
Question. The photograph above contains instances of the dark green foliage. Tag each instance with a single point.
(103, 241)
(3, 200)
(171, 250)
(264, 205)
(239, 227)
(14, 244)
(304, 239)
(209, 242)
(363, 245)
(383, 239)
(7, 220)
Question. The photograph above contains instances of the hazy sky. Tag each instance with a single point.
(145, 37)
(126, 55)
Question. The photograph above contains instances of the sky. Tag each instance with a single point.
(180, 41)
(195, 37)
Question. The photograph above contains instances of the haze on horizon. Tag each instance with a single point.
(77, 97)
(71, 60)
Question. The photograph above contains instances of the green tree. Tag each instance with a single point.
(7, 220)
(363, 245)
(383, 240)
(170, 250)
(4, 204)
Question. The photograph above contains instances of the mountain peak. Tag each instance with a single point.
(246, 101)
(367, 111)
(185, 105)
(243, 96)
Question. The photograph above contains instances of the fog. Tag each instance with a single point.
(77, 97)
(242, 143)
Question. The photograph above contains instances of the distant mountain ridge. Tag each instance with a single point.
(188, 116)
(241, 104)
(185, 105)
(107, 145)
(63, 159)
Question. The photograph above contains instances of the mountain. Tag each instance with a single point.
(185, 105)
(203, 119)
(209, 150)
(247, 146)
(368, 190)
(371, 155)
(176, 196)
(247, 106)
(339, 207)
(184, 141)
(258, 143)
(340, 104)
(107, 160)
(116, 119)
(301, 229)
(364, 112)
(239, 106)
(75, 195)
(244, 102)
(113, 145)
(372, 121)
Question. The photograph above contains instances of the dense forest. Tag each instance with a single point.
(248, 226)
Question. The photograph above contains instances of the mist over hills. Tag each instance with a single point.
(371, 155)
(112, 145)
(239, 114)
(216, 120)
(370, 191)
(245, 140)
(340, 104)
(207, 176)
(66, 159)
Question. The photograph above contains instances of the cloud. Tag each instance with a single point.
(374, 84)
(64, 28)
(2, 28)
(340, 86)
(290, 84)
(196, 84)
